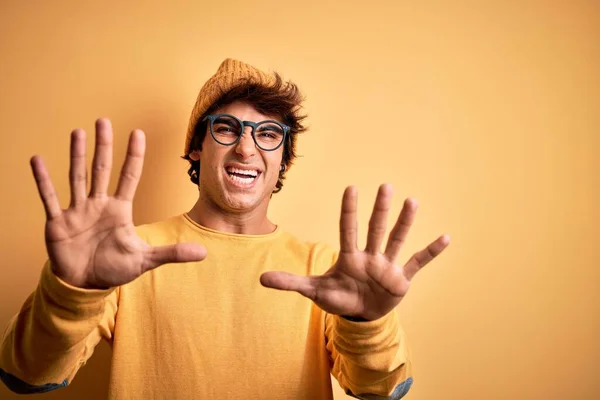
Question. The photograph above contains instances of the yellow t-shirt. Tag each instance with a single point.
(206, 330)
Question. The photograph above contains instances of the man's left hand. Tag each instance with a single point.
(367, 284)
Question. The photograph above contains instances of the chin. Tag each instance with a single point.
(241, 202)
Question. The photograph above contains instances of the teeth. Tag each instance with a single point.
(250, 172)
(241, 180)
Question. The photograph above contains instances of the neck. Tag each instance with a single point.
(252, 222)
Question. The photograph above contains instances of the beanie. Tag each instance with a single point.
(230, 74)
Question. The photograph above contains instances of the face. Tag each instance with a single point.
(240, 177)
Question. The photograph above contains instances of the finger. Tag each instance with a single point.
(348, 223)
(423, 257)
(176, 253)
(285, 281)
(102, 163)
(78, 169)
(378, 221)
(401, 228)
(132, 168)
(45, 188)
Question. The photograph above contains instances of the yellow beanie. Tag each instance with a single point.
(231, 73)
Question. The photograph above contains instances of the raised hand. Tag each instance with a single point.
(365, 284)
(93, 244)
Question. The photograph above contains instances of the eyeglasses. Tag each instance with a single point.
(227, 130)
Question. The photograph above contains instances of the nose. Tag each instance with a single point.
(246, 146)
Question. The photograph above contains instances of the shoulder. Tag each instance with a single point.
(155, 232)
(319, 255)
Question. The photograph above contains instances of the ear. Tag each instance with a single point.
(195, 155)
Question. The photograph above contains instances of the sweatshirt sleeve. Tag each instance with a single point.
(54, 334)
(370, 359)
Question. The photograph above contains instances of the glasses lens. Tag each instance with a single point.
(268, 135)
(226, 129)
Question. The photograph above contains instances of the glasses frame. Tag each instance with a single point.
(212, 117)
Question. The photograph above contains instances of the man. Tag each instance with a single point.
(206, 328)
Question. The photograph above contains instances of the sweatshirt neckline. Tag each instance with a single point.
(239, 236)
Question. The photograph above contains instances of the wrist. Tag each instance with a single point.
(65, 291)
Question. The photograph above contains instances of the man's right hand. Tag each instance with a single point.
(93, 244)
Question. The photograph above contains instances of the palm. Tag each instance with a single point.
(365, 284)
(93, 243)
(353, 287)
(109, 250)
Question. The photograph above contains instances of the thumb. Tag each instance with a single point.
(304, 285)
(175, 253)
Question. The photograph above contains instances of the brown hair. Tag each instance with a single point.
(279, 98)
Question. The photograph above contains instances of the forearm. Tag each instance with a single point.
(369, 358)
(53, 334)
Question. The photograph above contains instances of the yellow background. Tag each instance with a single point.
(486, 112)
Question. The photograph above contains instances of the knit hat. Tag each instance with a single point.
(231, 73)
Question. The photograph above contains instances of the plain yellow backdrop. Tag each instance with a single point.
(486, 111)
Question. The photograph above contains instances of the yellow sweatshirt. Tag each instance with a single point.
(206, 330)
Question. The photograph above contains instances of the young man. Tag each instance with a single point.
(212, 326)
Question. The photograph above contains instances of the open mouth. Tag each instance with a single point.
(242, 176)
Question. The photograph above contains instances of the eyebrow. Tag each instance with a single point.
(226, 121)
(271, 125)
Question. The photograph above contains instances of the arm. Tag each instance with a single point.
(93, 247)
(360, 293)
(370, 358)
(54, 334)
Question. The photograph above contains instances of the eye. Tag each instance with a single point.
(267, 135)
(223, 129)
(270, 131)
(226, 126)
